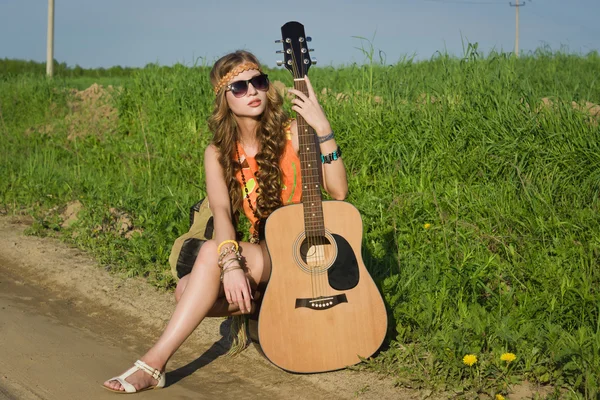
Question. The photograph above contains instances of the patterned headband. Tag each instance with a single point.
(234, 72)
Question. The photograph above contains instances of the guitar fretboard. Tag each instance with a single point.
(310, 168)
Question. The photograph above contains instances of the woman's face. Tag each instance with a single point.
(253, 103)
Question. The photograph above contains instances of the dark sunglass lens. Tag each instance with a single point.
(239, 88)
(260, 82)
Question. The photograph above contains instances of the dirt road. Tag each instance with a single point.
(66, 325)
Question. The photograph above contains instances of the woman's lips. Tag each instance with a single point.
(255, 103)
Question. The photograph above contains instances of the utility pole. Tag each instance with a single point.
(50, 40)
(517, 25)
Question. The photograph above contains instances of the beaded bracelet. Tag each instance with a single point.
(224, 242)
(331, 156)
(228, 251)
(323, 139)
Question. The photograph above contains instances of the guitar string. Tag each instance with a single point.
(318, 241)
(303, 160)
(321, 241)
(312, 242)
(315, 241)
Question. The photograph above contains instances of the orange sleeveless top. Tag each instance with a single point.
(291, 190)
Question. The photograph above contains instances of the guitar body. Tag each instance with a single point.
(321, 310)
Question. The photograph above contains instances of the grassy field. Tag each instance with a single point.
(478, 180)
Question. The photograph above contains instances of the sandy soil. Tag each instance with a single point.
(66, 325)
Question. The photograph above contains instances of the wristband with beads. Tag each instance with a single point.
(331, 156)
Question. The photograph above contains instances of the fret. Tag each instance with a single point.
(313, 223)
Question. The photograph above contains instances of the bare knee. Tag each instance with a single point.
(206, 253)
(181, 287)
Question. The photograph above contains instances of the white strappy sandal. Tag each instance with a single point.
(138, 366)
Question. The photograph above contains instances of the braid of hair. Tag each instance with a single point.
(271, 135)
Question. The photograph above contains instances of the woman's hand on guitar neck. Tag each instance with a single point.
(310, 109)
(237, 289)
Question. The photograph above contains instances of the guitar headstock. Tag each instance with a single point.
(295, 49)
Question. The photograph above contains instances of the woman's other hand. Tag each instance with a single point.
(310, 109)
(237, 289)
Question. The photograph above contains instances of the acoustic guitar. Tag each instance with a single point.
(321, 310)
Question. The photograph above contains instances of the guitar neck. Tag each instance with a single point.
(309, 166)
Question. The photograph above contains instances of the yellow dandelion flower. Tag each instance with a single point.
(508, 357)
(427, 226)
(499, 397)
(470, 359)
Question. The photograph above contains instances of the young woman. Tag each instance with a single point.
(248, 168)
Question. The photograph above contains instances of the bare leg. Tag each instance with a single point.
(221, 308)
(202, 291)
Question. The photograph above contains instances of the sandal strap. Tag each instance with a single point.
(129, 388)
(156, 374)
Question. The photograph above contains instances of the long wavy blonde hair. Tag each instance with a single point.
(270, 134)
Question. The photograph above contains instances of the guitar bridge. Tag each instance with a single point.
(322, 303)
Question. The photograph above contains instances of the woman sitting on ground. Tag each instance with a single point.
(249, 167)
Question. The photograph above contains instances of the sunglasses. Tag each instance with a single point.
(240, 88)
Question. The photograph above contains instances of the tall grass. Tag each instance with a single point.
(480, 206)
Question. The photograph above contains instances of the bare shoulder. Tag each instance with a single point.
(211, 151)
(211, 160)
(211, 154)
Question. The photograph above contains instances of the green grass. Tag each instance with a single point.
(480, 208)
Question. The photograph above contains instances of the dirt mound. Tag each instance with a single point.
(120, 222)
(586, 107)
(71, 213)
(116, 221)
(329, 94)
(91, 112)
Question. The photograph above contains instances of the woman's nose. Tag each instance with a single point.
(251, 89)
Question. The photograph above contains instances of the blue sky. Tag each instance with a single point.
(103, 33)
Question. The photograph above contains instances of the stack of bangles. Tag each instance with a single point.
(327, 159)
(232, 263)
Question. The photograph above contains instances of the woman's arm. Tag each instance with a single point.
(235, 282)
(334, 174)
(218, 196)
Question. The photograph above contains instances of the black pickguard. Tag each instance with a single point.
(343, 274)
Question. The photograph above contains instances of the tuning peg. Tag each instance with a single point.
(311, 49)
(313, 60)
(279, 63)
(278, 41)
(279, 52)
(308, 39)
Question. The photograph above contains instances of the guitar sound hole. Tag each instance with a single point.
(317, 253)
